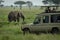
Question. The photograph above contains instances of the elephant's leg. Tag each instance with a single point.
(14, 20)
(9, 19)
(17, 19)
(23, 18)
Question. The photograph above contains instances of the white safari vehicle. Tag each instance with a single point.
(44, 22)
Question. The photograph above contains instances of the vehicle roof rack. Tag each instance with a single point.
(50, 6)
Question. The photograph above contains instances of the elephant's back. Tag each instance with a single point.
(13, 13)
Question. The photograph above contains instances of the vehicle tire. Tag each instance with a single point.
(55, 30)
(26, 31)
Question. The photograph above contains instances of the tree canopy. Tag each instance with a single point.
(45, 2)
(1, 5)
(29, 3)
(1, 1)
(20, 3)
(53, 1)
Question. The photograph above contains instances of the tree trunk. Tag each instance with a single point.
(29, 7)
(20, 6)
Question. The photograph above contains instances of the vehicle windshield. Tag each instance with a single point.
(37, 20)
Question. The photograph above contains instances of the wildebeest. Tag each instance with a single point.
(15, 16)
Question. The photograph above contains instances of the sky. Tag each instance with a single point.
(11, 2)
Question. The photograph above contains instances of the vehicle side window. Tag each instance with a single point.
(45, 19)
(37, 20)
(55, 18)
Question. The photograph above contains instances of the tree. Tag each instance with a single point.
(11, 5)
(20, 3)
(1, 5)
(1, 2)
(29, 3)
(45, 2)
(56, 2)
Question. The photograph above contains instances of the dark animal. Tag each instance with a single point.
(15, 16)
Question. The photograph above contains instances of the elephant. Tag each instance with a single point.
(15, 16)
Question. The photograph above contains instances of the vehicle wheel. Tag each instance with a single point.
(26, 31)
(55, 30)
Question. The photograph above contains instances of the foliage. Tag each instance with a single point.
(1, 5)
(1, 1)
(11, 5)
(45, 2)
(20, 3)
(29, 3)
(53, 1)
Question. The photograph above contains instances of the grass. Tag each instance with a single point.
(12, 31)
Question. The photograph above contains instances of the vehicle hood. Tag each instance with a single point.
(30, 24)
(27, 24)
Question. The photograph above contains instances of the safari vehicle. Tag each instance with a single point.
(44, 22)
